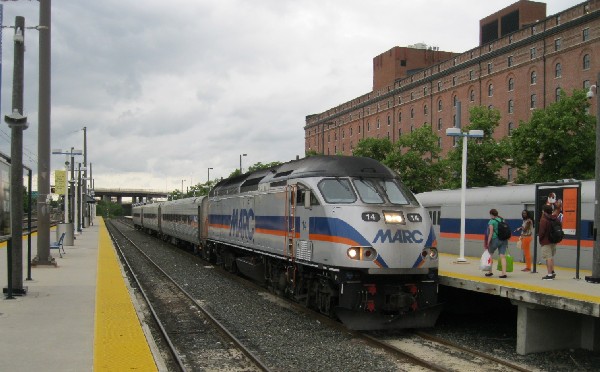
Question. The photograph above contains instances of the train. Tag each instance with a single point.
(341, 235)
(576, 249)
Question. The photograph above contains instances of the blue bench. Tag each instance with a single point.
(59, 245)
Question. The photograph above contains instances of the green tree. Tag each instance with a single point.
(485, 156)
(374, 148)
(311, 153)
(109, 209)
(254, 167)
(33, 201)
(558, 142)
(259, 166)
(416, 159)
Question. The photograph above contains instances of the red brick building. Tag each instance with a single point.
(522, 62)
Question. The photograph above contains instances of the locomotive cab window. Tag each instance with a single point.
(367, 190)
(304, 192)
(376, 191)
(337, 190)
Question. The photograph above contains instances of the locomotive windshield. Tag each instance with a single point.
(337, 190)
(370, 191)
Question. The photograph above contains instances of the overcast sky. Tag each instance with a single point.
(167, 89)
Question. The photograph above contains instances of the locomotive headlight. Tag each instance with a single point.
(433, 253)
(393, 217)
(362, 253)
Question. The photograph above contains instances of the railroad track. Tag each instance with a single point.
(195, 338)
(408, 349)
(438, 354)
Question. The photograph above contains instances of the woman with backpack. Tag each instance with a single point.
(494, 242)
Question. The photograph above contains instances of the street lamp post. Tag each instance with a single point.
(68, 194)
(474, 133)
(182, 188)
(208, 176)
(595, 277)
(241, 162)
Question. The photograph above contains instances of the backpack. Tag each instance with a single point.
(556, 234)
(503, 230)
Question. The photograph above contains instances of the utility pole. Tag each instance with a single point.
(43, 208)
(17, 123)
(595, 277)
(84, 190)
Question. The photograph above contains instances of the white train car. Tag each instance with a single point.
(180, 219)
(148, 217)
(444, 209)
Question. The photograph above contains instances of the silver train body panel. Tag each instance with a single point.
(444, 209)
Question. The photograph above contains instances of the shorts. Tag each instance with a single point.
(548, 251)
(498, 244)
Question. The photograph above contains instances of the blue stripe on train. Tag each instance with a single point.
(479, 226)
(336, 227)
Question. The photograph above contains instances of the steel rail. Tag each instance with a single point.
(220, 327)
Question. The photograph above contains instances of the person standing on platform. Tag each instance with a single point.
(548, 248)
(493, 242)
(526, 233)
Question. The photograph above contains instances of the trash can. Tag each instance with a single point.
(66, 228)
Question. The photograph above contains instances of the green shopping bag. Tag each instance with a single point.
(509, 263)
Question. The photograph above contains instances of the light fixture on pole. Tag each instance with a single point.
(474, 133)
(208, 176)
(241, 172)
(595, 277)
(182, 188)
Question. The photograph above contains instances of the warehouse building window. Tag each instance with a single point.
(586, 62)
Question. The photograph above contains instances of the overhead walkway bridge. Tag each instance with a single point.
(136, 195)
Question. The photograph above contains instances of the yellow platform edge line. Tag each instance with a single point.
(526, 287)
(119, 342)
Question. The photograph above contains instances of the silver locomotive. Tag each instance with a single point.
(339, 234)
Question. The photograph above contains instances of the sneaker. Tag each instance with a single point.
(554, 274)
(489, 274)
(502, 276)
(548, 277)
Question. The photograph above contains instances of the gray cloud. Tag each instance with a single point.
(168, 89)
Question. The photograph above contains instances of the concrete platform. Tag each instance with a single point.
(76, 316)
(556, 314)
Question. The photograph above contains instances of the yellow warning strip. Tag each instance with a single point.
(119, 342)
(526, 287)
